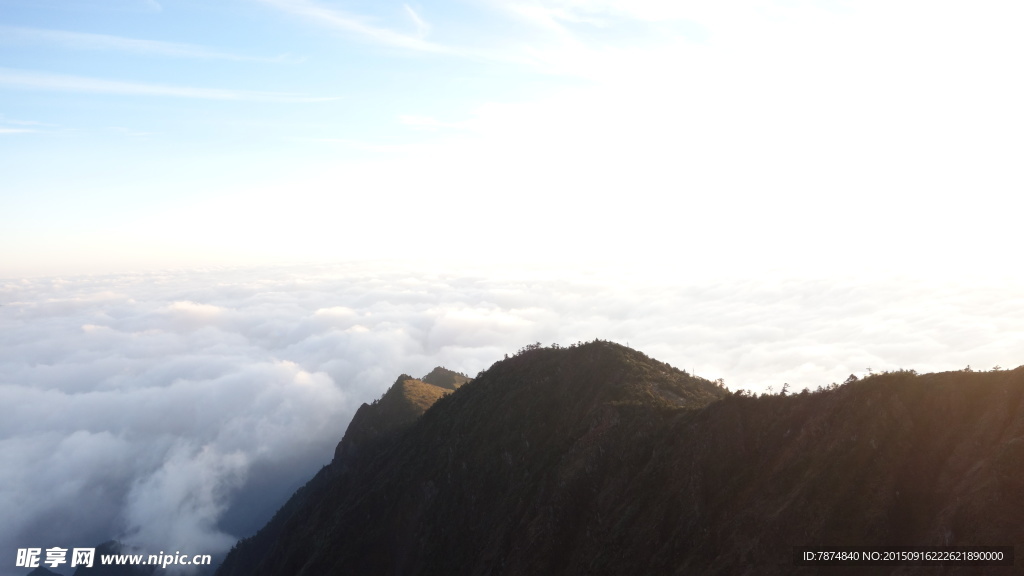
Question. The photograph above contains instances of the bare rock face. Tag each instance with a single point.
(596, 459)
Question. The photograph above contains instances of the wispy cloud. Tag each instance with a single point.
(354, 24)
(428, 122)
(11, 126)
(358, 144)
(68, 83)
(5, 120)
(128, 131)
(421, 26)
(100, 42)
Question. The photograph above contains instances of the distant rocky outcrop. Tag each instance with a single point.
(445, 378)
(596, 459)
(397, 409)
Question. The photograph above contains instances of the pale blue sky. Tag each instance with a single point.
(151, 133)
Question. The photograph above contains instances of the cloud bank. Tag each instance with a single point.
(177, 411)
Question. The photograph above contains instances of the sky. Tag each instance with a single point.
(792, 135)
(225, 225)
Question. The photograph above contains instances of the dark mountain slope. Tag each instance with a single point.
(598, 460)
(373, 424)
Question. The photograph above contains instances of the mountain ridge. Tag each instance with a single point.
(598, 459)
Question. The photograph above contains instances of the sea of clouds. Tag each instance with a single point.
(177, 411)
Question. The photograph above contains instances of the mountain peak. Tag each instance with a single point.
(608, 372)
(445, 378)
(405, 401)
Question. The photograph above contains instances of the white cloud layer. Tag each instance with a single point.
(178, 410)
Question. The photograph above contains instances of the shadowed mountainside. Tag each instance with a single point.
(596, 459)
